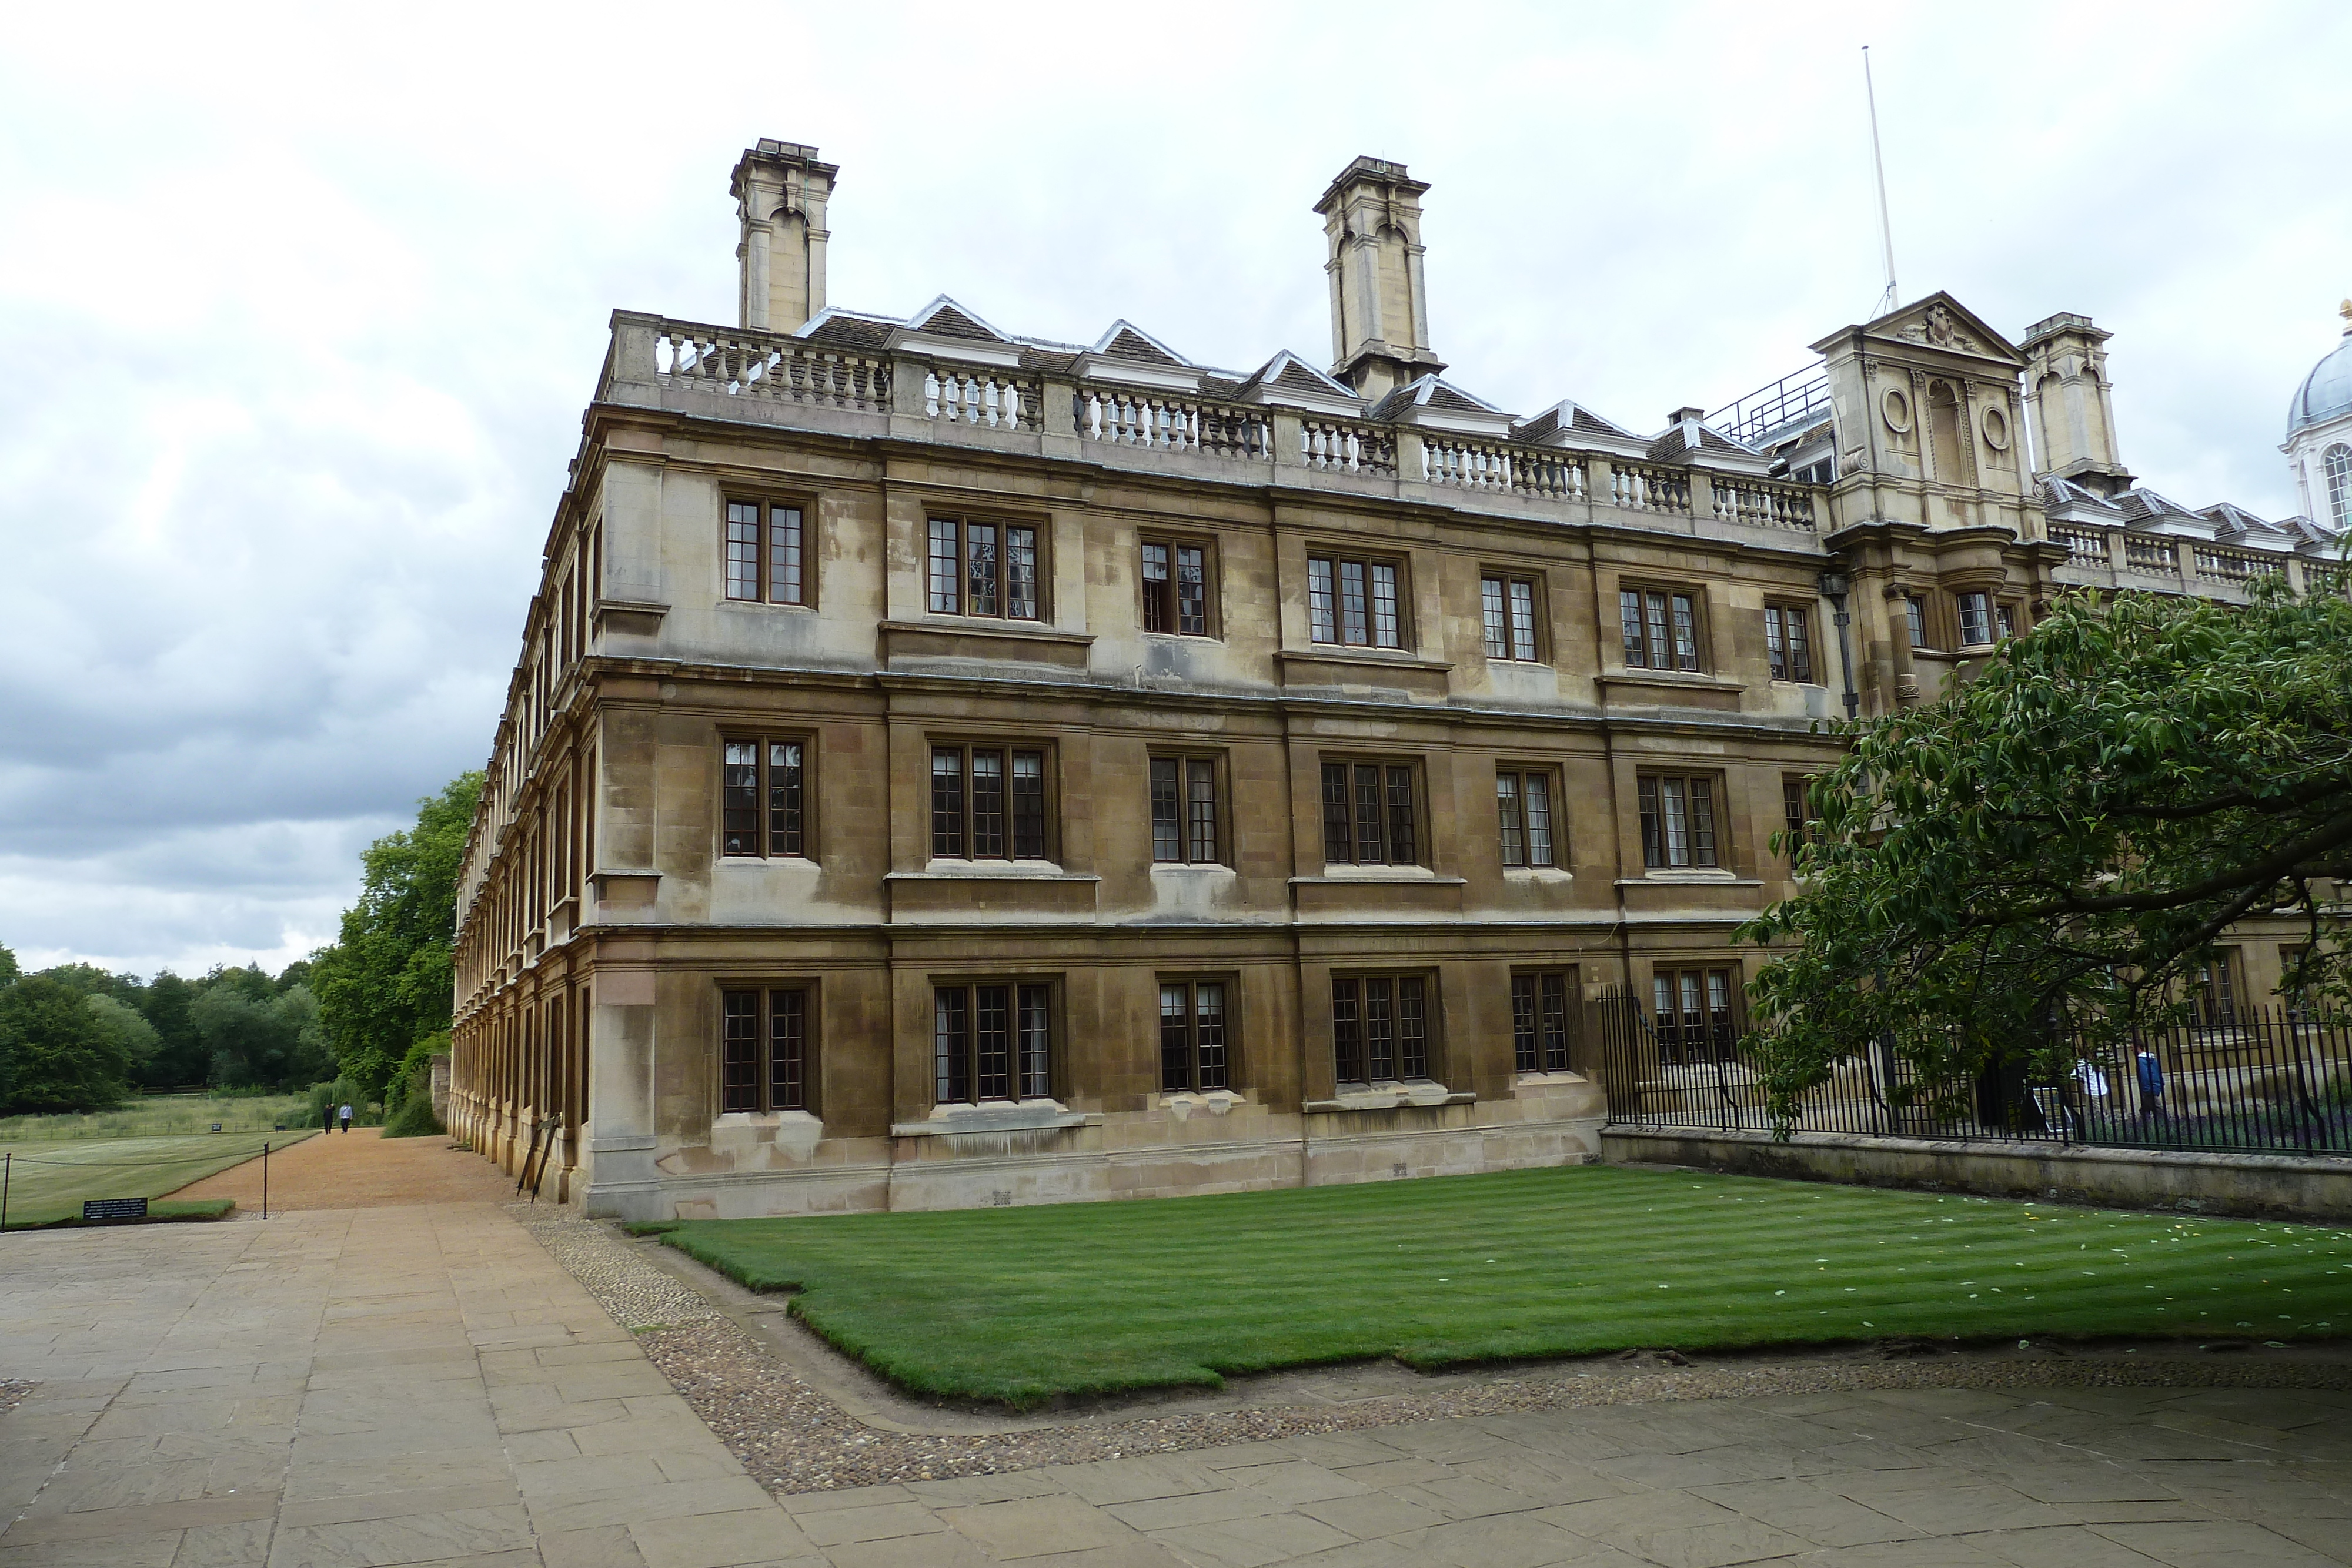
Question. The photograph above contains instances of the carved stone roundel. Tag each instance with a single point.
(1897, 408)
(1996, 429)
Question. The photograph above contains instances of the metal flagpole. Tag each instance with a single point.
(1878, 163)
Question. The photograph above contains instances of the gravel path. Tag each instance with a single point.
(358, 1169)
(791, 1438)
(12, 1389)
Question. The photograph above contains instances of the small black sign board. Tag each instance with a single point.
(114, 1208)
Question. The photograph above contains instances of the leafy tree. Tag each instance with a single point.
(8, 970)
(180, 1059)
(127, 1030)
(386, 981)
(54, 1055)
(2067, 835)
(265, 1039)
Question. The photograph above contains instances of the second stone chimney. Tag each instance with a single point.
(2070, 404)
(1379, 310)
(779, 189)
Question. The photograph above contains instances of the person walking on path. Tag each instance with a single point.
(327, 1117)
(346, 1117)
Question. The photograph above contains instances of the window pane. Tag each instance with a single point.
(1209, 1034)
(1915, 615)
(1526, 1044)
(787, 1051)
(1368, 839)
(1661, 656)
(1346, 1033)
(1021, 573)
(1322, 614)
(1523, 621)
(1412, 1038)
(1167, 812)
(2005, 618)
(1775, 653)
(1192, 591)
(1801, 649)
(980, 574)
(988, 804)
(1352, 611)
(783, 798)
(951, 1027)
(1539, 802)
(742, 550)
(785, 555)
(1200, 810)
(1654, 840)
(1628, 613)
(1036, 1079)
(1380, 1030)
(1401, 851)
(1976, 620)
(946, 593)
(1384, 606)
(739, 805)
(1793, 809)
(1702, 809)
(1661, 1007)
(992, 1041)
(1555, 1023)
(947, 802)
(1175, 1038)
(1029, 805)
(1507, 806)
(1674, 813)
(1156, 606)
(740, 1078)
(1685, 632)
(1338, 836)
(1498, 628)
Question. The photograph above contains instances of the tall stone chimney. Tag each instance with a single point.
(1379, 310)
(780, 192)
(2070, 404)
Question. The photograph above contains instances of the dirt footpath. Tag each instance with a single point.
(358, 1169)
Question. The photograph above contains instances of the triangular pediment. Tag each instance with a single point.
(943, 318)
(1125, 340)
(1938, 322)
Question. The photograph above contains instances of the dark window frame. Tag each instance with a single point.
(1517, 816)
(1698, 802)
(1161, 602)
(1183, 838)
(1544, 1007)
(993, 567)
(1696, 1010)
(1511, 629)
(752, 558)
(1984, 618)
(1796, 811)
(767, 1050)
(762, 827)
(1789, 641)
(1345, 611)
(993, 1039)
(1666, 629)
(1398, 837)
(993, 824)
(1190, 1060)
(1384, 1018)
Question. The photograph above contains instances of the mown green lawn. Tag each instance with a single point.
(161, 1115)
(49, 1178)
(1022, 1304)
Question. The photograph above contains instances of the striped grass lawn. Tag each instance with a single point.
(49, 1178)
(1019, 1305)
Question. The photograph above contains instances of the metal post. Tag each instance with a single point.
(265, 1181)
(7, 1169)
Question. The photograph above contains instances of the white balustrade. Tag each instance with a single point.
(989, 398)
(1345, 446)
(765, 365)
(1640, 488)
(1124, 417)
(1762, 505)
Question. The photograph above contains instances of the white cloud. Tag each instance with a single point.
(299, 306)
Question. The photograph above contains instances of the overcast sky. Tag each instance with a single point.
(298, 309)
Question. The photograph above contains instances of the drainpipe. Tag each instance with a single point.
(1835, 586)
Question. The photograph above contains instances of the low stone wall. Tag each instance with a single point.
(2270, 1186)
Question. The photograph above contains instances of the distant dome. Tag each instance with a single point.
(2326, 392)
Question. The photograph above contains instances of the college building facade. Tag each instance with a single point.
(952, 767)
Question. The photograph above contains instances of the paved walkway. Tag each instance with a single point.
(423, 1384)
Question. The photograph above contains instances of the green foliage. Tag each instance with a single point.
(414, 1077)
(181, 1059)
(128, 1032)
(8, 970)
(55, 1054)
(414, 1119)
(52, 1177)
(386, 981)
(2066, 835)
(164, 1116)
(256, 1035)
(1023, 1304)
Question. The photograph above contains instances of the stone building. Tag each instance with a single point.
(948, 766)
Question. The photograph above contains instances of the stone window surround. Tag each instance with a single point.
(1538, 623)
(1041, 576)
(1212, 581)
(806, 741)
(768, 502)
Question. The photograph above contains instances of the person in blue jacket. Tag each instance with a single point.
(2151, 1083)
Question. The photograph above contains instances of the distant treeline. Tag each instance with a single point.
(367, 1011)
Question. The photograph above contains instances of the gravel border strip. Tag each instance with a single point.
(793, 1439)
(12, 1391)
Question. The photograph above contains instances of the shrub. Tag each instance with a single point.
(413, 1120)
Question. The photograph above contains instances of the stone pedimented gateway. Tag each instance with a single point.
(953, 767)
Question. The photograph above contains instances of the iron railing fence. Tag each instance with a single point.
(2237, 1080)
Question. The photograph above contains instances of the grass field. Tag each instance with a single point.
(164, 1115)
(1021, 1304)
(49, 1178)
